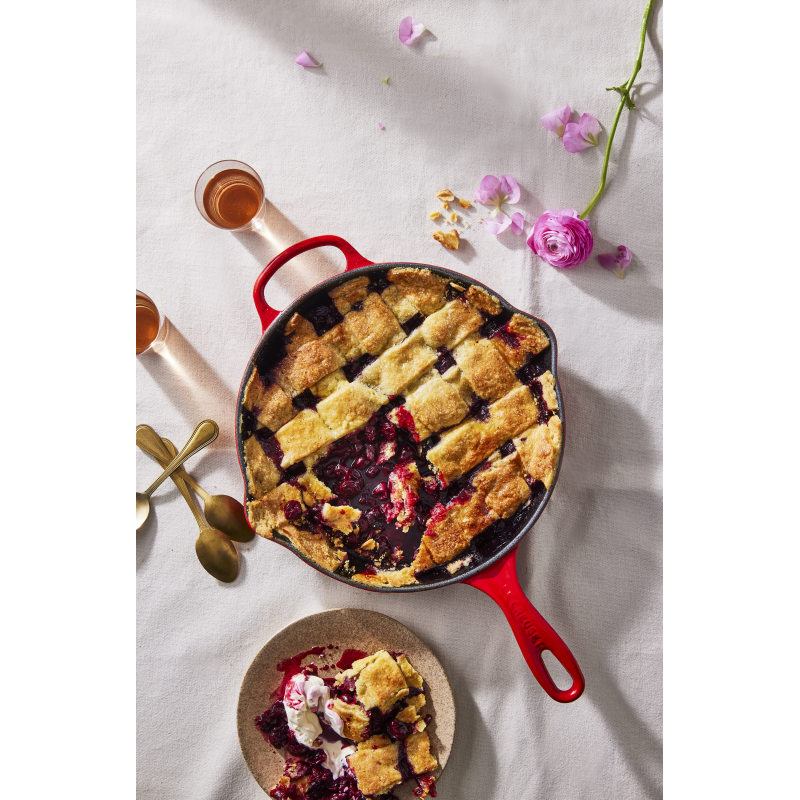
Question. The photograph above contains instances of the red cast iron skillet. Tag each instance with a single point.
(494, 571)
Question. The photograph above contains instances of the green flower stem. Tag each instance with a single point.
(625, 101)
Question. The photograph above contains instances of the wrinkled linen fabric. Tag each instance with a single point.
(217, 80)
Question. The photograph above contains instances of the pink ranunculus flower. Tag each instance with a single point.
(556, 120)
(561, 238)
(580, 135)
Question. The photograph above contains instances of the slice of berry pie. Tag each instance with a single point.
(353, 737)
(407, 424)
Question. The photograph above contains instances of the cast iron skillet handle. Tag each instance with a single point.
(532, 631)
(265, 312)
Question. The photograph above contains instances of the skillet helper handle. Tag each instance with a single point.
(266, 312)
(533, 633)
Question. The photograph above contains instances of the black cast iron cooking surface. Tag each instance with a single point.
(271, 344)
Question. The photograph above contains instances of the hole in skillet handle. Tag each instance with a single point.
(353, 258)
(560, 677)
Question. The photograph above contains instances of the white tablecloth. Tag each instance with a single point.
(218, 80)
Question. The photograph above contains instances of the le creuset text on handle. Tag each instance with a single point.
(533, 633)
(265, 311)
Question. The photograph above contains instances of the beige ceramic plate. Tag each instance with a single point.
(345, 628)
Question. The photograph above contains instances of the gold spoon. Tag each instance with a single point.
(215, 551)
(218, 559)
(204, 434)
(222, 512)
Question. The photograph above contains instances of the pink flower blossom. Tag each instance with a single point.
(616, 262)
(305, 60)
(561, 238)
(580, 135)
(494, 191)
(556, 120)
(410, 30)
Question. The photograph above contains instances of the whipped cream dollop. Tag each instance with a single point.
(335, 754)
(304, 698)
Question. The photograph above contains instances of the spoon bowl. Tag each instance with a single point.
(217, 554)
(142, 509)
(227, 515)
(215, 551)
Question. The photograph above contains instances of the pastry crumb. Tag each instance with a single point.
(454, 217)
(449, 239)
(446, 196)
(464, 203)
(434, 215)
(446, 206)
(455, 566)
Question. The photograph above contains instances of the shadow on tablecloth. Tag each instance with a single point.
(601, 566)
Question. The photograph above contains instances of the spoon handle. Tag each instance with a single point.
(148, 440)
(225, 569)
(195, 485)
(170, 450)
(204, 434)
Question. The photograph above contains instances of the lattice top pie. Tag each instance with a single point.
(406, 421)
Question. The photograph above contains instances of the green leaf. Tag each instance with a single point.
(624, 93)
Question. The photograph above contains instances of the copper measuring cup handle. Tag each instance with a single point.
(266, 312)
(533, 633)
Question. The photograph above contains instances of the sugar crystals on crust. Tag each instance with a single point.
(425, 290)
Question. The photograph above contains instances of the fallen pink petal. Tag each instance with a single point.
(580, 135)
(616, 262)
(305, 60)
(556, 120)
(410, 30)
(562, 238)
(590, 129)
(487, 189)
(510, 188)
(381, 126)
(498, 224)
(517, 223)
